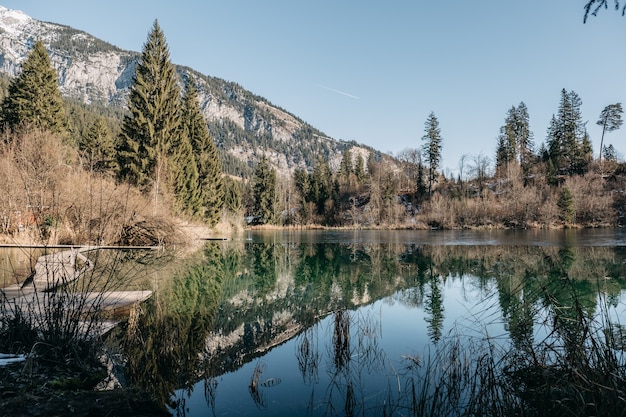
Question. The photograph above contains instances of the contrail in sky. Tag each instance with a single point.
(339, 92)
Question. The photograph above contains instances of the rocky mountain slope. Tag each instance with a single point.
(245, 126)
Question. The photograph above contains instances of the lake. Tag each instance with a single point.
(395, 323)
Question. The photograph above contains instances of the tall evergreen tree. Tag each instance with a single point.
(525, 144)
(153, 120)
(183, 175)
(34, 98)
(515, 142)
(232, 195)
(98, 147)
(610, 120)
(504, 154)
(567, 135)
(359, 168)
(345, 167)
(264, 191)
(321, 184)
(207, 159)
(566, 205)
(432, 148)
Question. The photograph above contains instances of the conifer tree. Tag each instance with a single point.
(232, 195)
(359, 168)
(432, 148)
(153, 120)
(34, 98)
(567, 135)
(264, 191)
(610, 120)
(515, 140)
(321, 184)
(183, 175)
(566, 205)
(209, 167)
(610, 154)
(345, 166)
(98, 147)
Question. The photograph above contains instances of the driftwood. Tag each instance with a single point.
(152, 232)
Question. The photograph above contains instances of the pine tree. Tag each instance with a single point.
(566, 205)
(34, 98)
(525, 145)
(264, 191)
(503, 154)
(610, 154)
(321, 184)
(232, 195)
(183, 175)
(207, 159)
(515, 140)
(153, 120)
(359, 168)
(98, 147)
(432, 148)
(345, 166)
(610, 120)
(566, 136)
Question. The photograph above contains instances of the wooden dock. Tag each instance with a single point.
(34, 296)
(51, 271)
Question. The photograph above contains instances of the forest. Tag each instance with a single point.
(76, 173)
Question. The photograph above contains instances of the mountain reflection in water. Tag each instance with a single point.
(387, 323)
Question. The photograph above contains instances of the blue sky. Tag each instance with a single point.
(372, 71)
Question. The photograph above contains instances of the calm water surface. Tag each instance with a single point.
(351, 322)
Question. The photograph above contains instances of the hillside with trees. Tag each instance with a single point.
(83, 173)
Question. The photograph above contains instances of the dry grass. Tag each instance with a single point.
(50, 199)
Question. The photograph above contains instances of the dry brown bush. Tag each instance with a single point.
(49, 197)
(592, 204)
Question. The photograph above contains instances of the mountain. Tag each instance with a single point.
(244, 125)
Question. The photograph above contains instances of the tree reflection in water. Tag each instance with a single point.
(237, 305)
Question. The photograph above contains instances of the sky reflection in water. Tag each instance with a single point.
(363, 308)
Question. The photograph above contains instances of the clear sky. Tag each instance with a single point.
(372, 71)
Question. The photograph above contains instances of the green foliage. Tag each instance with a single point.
(81, 118)
(264, 192)
(359, 168)
(432, 148)
(515, 140)
(320, 189)
(184, 176)
(566, 205)
(34, 98)
(154, 119)
(610, 119)
(232, 194)
(568, 142)
(345, 167)
(209, 167)
(609, 153)
(97, 147)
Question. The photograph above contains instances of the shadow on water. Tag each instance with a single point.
(272, 324)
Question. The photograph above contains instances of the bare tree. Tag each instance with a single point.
(480, 170)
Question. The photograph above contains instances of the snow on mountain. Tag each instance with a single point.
(94, 71)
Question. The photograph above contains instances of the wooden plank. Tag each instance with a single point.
(115, 301)
(51, 271)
